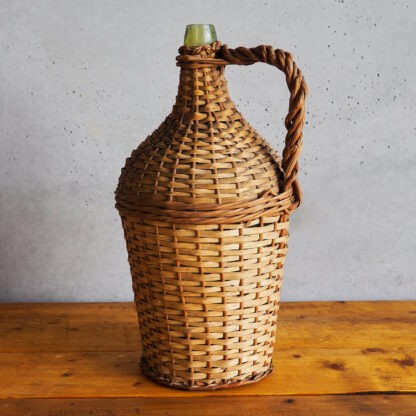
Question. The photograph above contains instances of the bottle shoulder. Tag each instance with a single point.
(205, 160)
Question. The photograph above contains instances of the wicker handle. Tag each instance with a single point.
(295, 118)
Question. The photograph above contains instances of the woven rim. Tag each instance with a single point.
(229, 212)
(226, 384)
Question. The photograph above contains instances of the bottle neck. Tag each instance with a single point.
(202, 86)
(202, 90)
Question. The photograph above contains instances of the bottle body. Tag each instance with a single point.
(206, 220)
(207, 300)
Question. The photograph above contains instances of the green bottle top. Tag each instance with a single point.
(200, 34)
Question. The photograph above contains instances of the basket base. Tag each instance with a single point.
(183, 385)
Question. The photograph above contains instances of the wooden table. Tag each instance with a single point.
(332, 358)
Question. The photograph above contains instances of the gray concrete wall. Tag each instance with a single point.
(83, 82)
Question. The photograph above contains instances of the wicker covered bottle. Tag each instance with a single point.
(205, 204)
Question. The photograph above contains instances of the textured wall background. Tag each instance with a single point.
(83, 82)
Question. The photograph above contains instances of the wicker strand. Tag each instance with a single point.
(295, 118)
(229, 212)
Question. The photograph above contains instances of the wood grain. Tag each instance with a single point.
(300, 371)
(69, 327)
(347, 358)
(357, 405)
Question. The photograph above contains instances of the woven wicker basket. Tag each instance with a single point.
(205, 204)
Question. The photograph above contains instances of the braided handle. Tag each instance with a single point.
(295, 118)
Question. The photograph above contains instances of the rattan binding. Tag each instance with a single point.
(205, 204)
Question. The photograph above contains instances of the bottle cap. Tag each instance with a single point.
(200, 34)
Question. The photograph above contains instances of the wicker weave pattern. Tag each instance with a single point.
(207, 297)
(204, 152)
(205, 207)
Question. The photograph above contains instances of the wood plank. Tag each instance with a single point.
(348, 324)
(71, 359)
(343, 405)
(68, 327)
(113, 326)
(305, 371)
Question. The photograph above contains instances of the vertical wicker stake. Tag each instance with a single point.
(205, 204)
